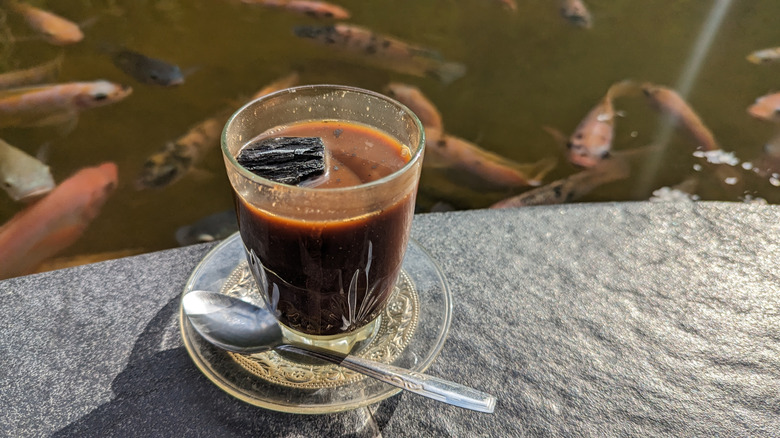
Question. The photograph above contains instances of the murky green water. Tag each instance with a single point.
(525, 70)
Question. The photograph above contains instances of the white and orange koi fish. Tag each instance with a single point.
(592, 139)
(316, 9)
(56, 221)
(53, 28)
(383, 51)
(55, 104)
(766, 108)
(764, 56)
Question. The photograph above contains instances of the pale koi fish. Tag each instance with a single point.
(34, 75)
(55, 104)
(56, 221)
(316, 9)
(766, 108)
(669, 102)
(413, 98)
(572, 187)
(179, 157)
(443, 150)
(765, 56)
(22, 176)
(383, 51)
(592, 139)
(576, 13)
(54, 29)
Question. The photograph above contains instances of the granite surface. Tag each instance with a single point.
(630, 319)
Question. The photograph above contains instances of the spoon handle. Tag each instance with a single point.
(428, 386)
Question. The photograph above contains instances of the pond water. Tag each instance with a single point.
(525, 70)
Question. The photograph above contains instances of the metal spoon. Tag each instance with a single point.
(238, 326)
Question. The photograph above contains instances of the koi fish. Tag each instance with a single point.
(54, 29)
(178, 157)
(669, 102)
(443, 150)
(22, 176)
(576, 13)
(34, 75)
(383, 51)
(592, 139)
(765, 56)
(766, 108)
(56, 221)
(316, 9)
(54, 104)
(413, 98)
(147, 70)
(571, 188)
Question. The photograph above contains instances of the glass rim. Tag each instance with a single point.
(416, 155)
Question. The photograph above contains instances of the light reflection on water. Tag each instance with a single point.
(525, 71)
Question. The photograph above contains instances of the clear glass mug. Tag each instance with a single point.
(326, 260)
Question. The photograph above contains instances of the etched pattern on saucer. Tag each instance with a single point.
(397, 325)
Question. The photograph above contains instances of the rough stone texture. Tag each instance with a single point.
(596, 320)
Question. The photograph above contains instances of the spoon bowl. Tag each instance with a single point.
(241, 327)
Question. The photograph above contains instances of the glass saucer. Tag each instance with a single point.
(410, 334)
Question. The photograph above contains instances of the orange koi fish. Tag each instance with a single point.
(180, 156)
(34, 75)
(669, 102)
(592, 140)
(54, 29)
(571, 188)
(383, 51)
(766, 108)
(55, 222)
(576, 13)
(316, 9)
(443, 150)
(54, 104)
(412, 97)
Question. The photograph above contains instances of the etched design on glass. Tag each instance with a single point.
(398, 322)
(272, 303)
(354, 316)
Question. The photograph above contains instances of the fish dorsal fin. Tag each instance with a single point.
(19, 91)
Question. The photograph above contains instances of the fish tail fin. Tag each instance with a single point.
(535, 172)
(624, 88)
(448, 72)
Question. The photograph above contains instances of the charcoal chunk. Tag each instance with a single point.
(286, 160)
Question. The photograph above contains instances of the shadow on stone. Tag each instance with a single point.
(162, 393)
